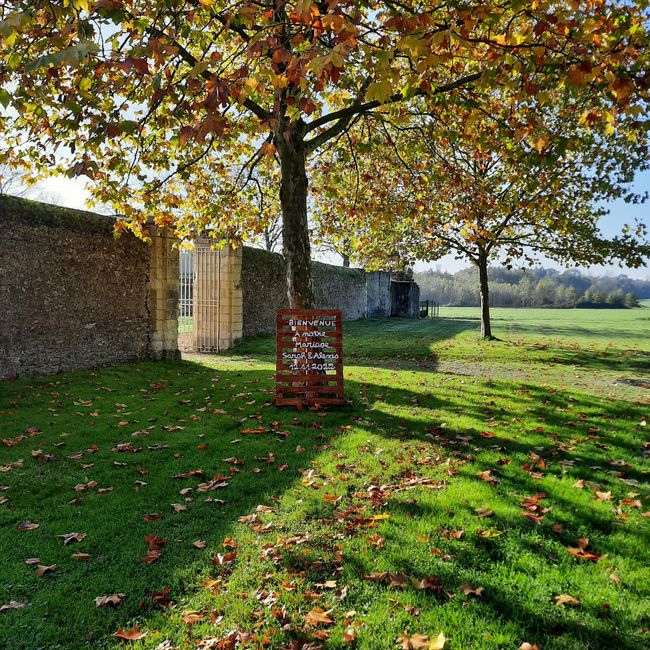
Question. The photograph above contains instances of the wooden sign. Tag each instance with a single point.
(309, 357)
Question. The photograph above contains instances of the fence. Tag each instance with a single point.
(429, 309)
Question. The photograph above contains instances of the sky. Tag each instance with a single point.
(73, 194)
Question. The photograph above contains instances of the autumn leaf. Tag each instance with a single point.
(199, 544)
(437, 643)
(12, 604)
(132, 634)
(488, 477)
(420, 641)
(484, 512)
(69, 538)
(81, 557)
(113, 599)
(192, 616)
(469, 590)
(581, 553)
(317, 616)
(42, 569)
(27, 525)
(565, 599)
(226, 558)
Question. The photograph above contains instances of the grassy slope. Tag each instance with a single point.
(429, 401)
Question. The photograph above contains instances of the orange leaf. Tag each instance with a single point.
(132, 634)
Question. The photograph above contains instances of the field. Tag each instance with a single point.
(484, 494)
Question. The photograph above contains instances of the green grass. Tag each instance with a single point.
(561, 398)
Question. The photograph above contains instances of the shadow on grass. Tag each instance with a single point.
(383, 341)
(196, 413)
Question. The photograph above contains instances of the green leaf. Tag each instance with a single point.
(70, 56)
(379, 91)
(5, 97)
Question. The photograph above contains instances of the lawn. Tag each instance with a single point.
(492, 492)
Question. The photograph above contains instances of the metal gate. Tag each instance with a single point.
(210, 298)
(187, 276)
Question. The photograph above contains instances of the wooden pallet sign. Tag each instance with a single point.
(309, 357)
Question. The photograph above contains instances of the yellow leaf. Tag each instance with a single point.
(379, 91)
(438, 643)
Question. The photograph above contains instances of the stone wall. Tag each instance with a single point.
(72, 296)
(357, 293)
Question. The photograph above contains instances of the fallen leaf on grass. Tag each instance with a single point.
(226, 558)
(112, 599)
(199, 544)
(192, 616)
(12, 604)
(317, 616)
(483, 512)
(487, 476)
(32, 560)
(153, 516)
(68, 538)
(177, 507)
(565, 599)
(132, 634)
(217, 483)
(603, 496)
(27, 525)
(81, 557)
(581, 552)
(528, 646)
(376, 540)
(420, 641)
(489, 533)
(350, 634)
(249, 519)
(41, 569)
(468, 590)
(154, 548)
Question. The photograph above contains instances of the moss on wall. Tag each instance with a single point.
(35, 213)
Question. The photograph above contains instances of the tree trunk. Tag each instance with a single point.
(346, 260)
(295, 229)
(486, 325)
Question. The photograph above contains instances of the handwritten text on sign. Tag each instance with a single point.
(310, 352)
(309, 359)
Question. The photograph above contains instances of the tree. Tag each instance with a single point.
(630, 300)
(329, 235)
(500, 191)
(168, 106)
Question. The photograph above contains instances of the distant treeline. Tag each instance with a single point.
(532, 288)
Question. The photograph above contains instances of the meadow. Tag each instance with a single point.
(471, 494)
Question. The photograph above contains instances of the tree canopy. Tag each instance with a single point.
(468, 183)
(168, 106)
